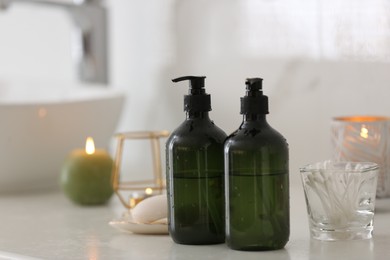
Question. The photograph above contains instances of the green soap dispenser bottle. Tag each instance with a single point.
(195, 172)
(256, 178)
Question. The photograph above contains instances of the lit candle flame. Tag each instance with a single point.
(42, 112)
(364, 132)
(89, 146)
(148, 191)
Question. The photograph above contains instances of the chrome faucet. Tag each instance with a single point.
(90, 43)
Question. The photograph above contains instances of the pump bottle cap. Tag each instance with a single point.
(254, 102)
(197, 100)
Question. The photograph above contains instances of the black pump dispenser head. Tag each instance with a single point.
(254, 102)
(197, 100)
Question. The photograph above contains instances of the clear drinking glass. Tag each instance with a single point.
(340, 199)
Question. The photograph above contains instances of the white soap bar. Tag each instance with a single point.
(151, 209)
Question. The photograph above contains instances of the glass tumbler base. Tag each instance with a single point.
(347, 234)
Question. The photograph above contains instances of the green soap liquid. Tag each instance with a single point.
(197, 210)
(258, 213)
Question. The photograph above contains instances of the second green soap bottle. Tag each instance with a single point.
(195, 172)
(257, 181)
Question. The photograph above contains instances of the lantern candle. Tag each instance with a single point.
(137, 197)
(86, 175)
(364, 139)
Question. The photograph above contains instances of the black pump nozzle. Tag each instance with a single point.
(196, 84)
(254, 101)
(254, 86)
(197, 100)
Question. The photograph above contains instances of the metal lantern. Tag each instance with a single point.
(157, 184)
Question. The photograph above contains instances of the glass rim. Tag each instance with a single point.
(319, 166)
(360, 119)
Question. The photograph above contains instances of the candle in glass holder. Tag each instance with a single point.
(137, 197)
(364, 139)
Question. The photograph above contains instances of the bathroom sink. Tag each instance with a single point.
(42, 122)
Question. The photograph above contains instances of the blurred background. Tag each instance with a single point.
(318, 59)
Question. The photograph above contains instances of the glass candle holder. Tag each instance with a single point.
(364, 139)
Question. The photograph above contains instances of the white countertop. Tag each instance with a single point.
(49, 226)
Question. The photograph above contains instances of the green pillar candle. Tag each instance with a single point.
(86, 175)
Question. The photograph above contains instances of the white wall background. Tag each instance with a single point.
(318, 58)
